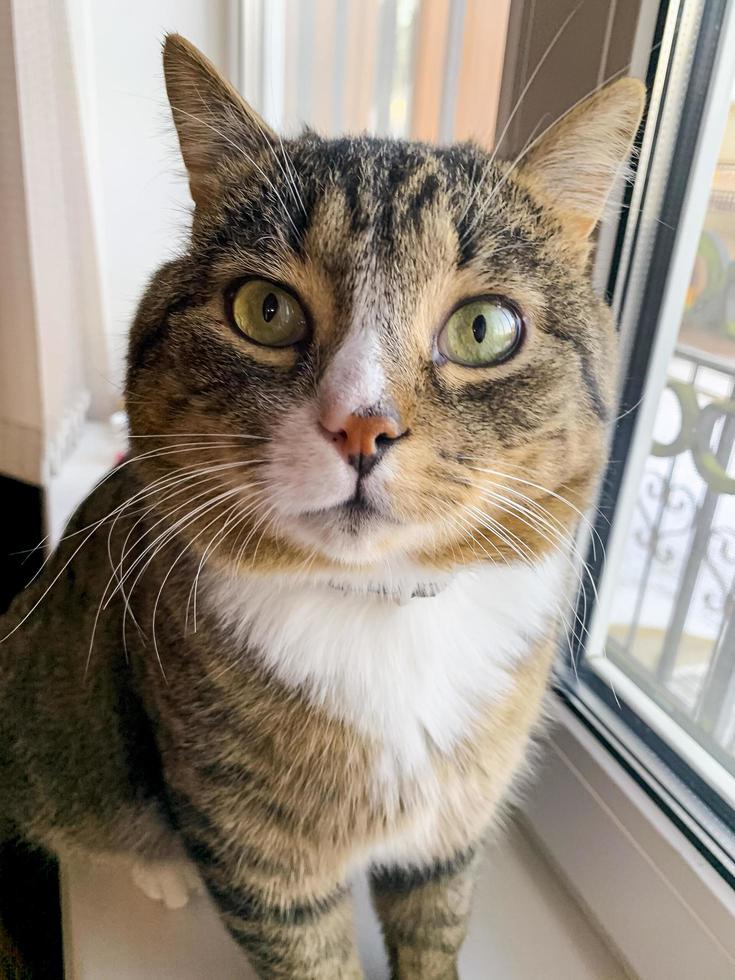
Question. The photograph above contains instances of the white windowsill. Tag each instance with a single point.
(112, 930)
(661, 904)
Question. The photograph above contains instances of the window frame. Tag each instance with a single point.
(650, 311)
(600, 729)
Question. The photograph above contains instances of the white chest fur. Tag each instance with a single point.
(407, 676)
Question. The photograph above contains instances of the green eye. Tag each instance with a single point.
(267, 314)
(482, 332)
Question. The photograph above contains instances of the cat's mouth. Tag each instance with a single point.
(324, 507)
(352, 516)
(357, 529)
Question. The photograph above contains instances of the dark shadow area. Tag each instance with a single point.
(30, 909)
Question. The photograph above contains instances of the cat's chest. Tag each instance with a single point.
(409, 678)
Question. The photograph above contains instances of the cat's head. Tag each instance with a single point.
(374, 348)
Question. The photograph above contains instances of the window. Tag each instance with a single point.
(657, 645)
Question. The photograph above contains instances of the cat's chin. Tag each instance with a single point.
(354, 535)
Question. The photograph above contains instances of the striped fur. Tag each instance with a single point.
(158, 687)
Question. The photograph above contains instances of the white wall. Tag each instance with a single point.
(140, 199)
(47, 290)
(64, 274)
(92, 200)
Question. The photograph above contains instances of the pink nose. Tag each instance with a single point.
(361, 440)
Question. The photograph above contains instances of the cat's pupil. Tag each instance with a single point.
(479, 328)
(270, 307)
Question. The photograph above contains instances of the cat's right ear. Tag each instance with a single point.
(212, 120)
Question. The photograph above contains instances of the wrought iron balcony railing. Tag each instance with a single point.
(673, 625)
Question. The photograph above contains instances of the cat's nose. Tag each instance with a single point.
(361, 440)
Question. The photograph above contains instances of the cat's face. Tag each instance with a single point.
(382, 349)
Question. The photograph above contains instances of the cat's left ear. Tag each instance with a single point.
(212, 120)
(573, 166)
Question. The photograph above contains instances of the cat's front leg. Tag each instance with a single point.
(424, 913)
(291, 928)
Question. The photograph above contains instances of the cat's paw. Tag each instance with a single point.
(170, 882)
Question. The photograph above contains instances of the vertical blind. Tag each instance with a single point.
(420, 69)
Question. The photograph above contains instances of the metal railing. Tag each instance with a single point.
(677, 638)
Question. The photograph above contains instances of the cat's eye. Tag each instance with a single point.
(481, 332)
(267, 314)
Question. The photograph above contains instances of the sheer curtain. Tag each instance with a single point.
(53, 353)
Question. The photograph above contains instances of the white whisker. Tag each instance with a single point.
(239, 519)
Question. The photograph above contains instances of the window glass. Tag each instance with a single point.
(672, 623)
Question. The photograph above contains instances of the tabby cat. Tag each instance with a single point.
(306, 626)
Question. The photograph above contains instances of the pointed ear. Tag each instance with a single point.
(574, 165)
(212, 120)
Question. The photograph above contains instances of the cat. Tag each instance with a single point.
(306, 626)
